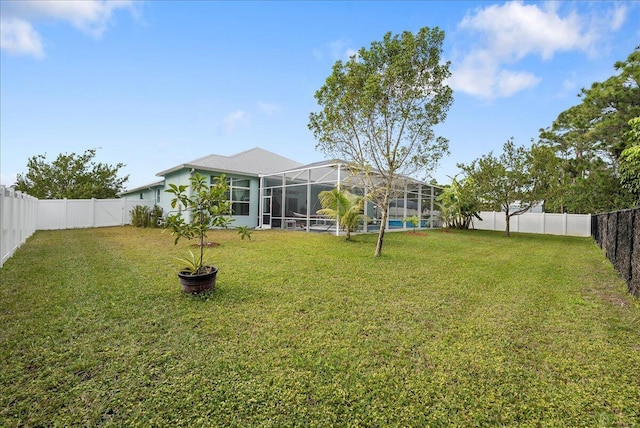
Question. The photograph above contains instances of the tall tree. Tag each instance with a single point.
(630, 160)
(71, 176)
(615, 102)
(379, 109)
(509, 183)
(588, 139)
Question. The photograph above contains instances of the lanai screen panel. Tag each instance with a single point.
(294, 195)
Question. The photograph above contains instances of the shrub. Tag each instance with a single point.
(140, 216)
(156, 216)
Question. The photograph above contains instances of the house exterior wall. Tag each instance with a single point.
(181, 177)
(250, 220)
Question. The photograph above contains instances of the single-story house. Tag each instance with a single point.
(271, 191)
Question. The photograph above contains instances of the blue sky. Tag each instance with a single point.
(154, 84)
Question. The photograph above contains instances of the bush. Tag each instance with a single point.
(140, 216)
(156, 216)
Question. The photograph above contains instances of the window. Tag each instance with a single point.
(239, 194)
(157, 195)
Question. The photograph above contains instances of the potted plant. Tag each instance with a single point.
(207, 206)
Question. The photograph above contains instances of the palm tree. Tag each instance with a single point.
(459, 203)
(344, 206)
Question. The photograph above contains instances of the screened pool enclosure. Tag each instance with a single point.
(289, 200)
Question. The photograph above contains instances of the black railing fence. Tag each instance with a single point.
(618, 234)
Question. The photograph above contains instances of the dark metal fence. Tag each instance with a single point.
(618, 234)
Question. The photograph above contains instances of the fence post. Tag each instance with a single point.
(12, 229)
(2, 225)
(124, 211)
(20, 218)
(634, 262)
(93, 212)
(66, 213)
(564, 224)
(615, 245)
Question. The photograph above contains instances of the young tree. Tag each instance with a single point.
(507, 180)
(379, 109)
(344, 206)
(71, 176)
(459, 203)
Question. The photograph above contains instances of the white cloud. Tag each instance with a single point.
(351, 52)
(618, 16)
(232, 120)
(505, 34)
(268, 108)
(19, 37)
(570, 83)
(336, 50)
(510, 82)
(19, 18)
(515, 30)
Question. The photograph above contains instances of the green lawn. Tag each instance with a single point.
(446, 329)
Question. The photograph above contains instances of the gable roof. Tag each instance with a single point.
(253, 162)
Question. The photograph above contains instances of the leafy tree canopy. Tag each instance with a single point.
(613, 104)
(589, 142)
(379, 109)
(459, 203)
(511, 182)
(630, 160)
(71, 176)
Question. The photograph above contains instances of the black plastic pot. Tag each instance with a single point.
(200, 282)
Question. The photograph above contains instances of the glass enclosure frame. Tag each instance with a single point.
(297, 192)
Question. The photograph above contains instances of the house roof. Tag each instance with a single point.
(144, 187)
(253, 162)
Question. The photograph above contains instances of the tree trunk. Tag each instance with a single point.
(507, 218)
(383, 225)
(201, 243)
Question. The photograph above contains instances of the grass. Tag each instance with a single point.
(446, 329)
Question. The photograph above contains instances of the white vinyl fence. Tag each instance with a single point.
(19, 219)
(21, 215)
(85, 213)
(546, 223)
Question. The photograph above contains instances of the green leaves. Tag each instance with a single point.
(344, 206)
(502, 181)
(191, 263)
(71, 176)
(630, 160)
(459, 203)
(244, 232)
(207, 206)
(379, 107)
(589, 139)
